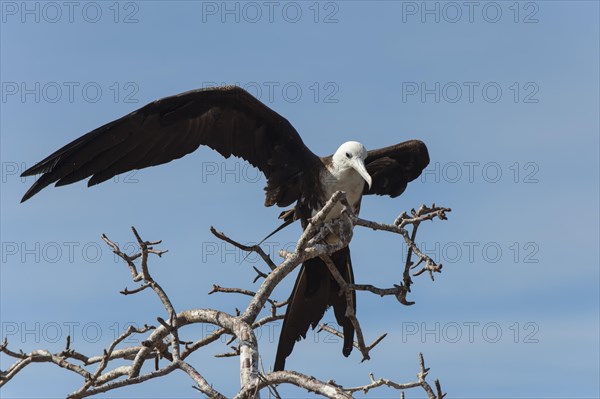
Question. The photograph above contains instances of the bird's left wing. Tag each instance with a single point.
(227, 119)
(393, 167)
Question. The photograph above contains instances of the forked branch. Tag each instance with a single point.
(169, 354)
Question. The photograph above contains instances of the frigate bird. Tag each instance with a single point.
(233, 122)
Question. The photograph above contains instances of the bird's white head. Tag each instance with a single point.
(352, 155)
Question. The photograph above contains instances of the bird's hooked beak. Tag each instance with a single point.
(359, 165)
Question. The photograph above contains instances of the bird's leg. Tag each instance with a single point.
(346, 224)
(331, 227)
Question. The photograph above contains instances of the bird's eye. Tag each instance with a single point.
(348, 155)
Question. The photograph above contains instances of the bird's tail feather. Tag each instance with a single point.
(339, 303)
(314, 291)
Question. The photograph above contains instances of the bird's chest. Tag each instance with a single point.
(348, 181)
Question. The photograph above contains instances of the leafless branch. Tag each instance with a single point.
(163, 341)
(421, 382)
(349, 306)
(252, 248)
(325, 327)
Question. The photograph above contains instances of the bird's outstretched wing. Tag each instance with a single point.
(391, 168)
(227, 119)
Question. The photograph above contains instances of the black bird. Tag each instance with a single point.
(233, 122)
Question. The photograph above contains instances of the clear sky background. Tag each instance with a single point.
(504, 94)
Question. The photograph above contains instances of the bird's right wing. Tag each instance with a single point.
(227, 119)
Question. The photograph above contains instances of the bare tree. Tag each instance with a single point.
(164, 347)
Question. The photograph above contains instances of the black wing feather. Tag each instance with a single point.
(393, 167)
(227, 119)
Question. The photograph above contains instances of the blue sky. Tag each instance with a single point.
(504, 94)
